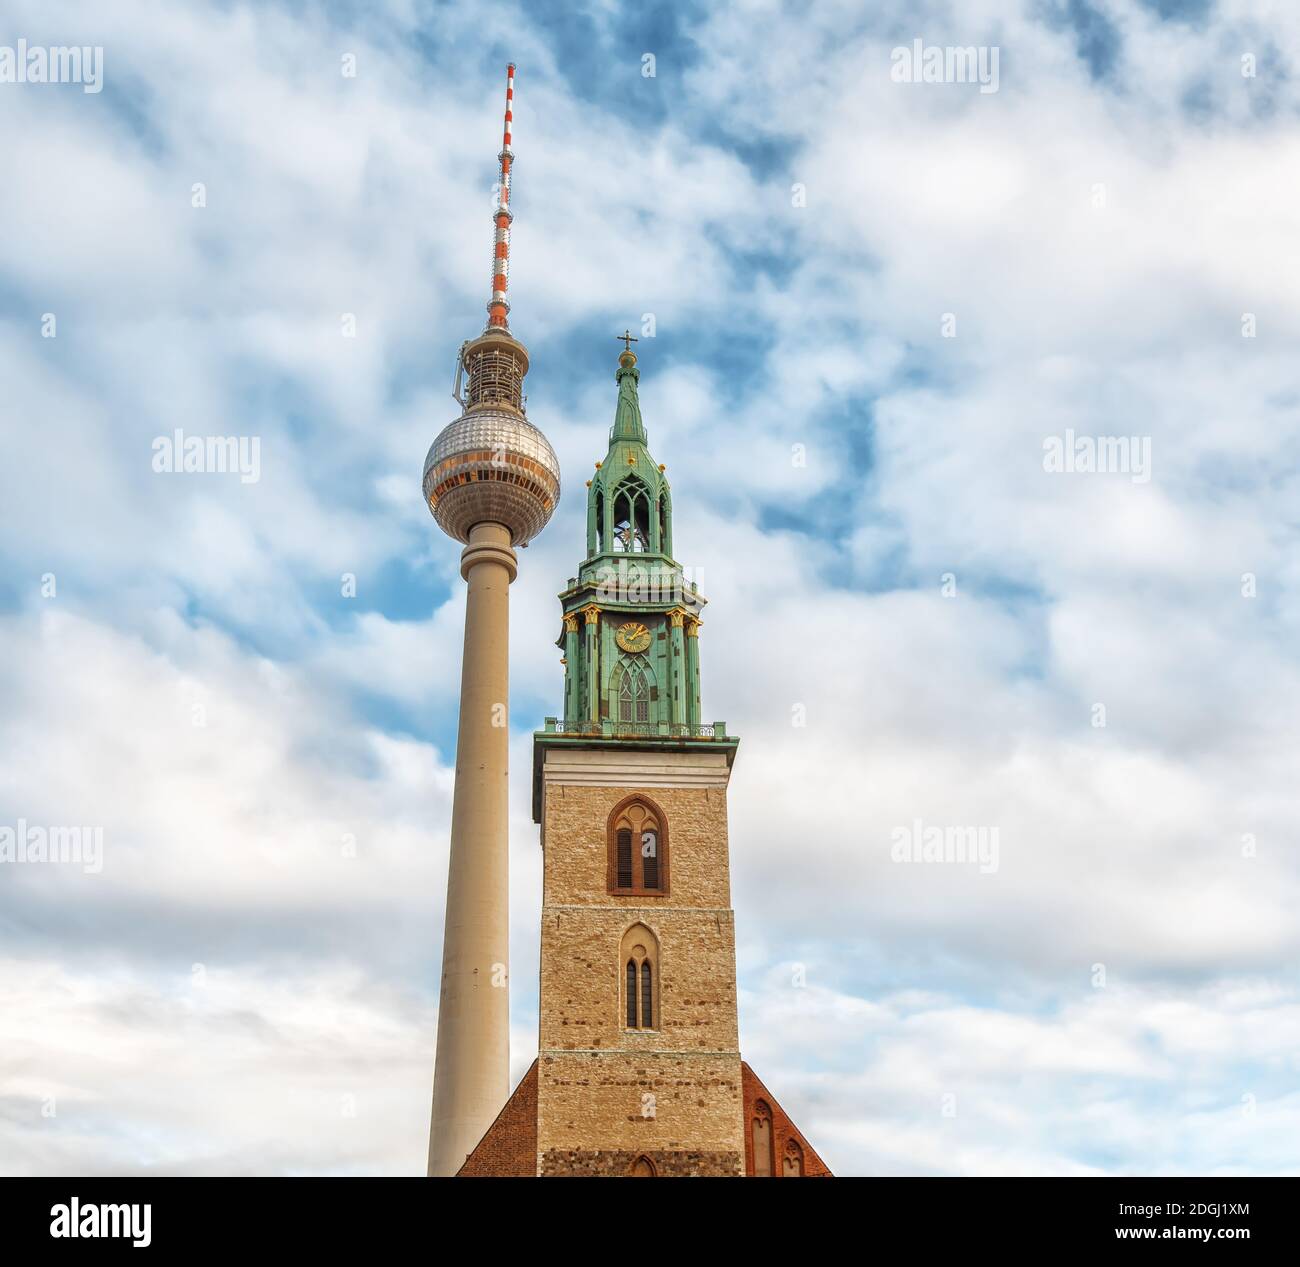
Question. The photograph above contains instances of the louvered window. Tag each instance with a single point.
(638, 850)
(649, 860)
(624, 877)
(631, 994)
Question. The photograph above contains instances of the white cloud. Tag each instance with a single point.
(1121, 846)
(1114, 1080)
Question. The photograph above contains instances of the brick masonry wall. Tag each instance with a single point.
(593, 1074)
(580, 980)
(509, 1149)
(611, 1164)
(783, 1129)
(573, 827)
(601, 1103)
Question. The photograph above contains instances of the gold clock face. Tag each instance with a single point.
(633, 637)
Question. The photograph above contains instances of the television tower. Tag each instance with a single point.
(491, 480)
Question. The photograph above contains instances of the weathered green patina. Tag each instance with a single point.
(631, 617)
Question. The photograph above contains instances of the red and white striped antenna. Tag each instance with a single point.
(498, 306)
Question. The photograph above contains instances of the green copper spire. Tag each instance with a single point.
(631, 616)
(627, 417)
(629, 506)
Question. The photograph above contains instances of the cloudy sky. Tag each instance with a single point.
(875, 303)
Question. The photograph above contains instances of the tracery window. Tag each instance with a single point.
(631, 517)
(633, 694)
(639, 952)
(638, 849)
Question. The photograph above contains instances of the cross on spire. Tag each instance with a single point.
(628, 340)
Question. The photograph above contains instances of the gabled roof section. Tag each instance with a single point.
(784, 1131)
(508, 1149)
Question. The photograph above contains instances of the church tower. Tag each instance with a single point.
(639, 1053)
(638, 1070)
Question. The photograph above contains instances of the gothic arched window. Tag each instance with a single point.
(631, 518)
(633, 694)
(643, 1168)
(761, 1133)
(638, 849)
(639, 952)
(647, 995)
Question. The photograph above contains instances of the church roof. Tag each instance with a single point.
(784, 1131)
(509, 1148)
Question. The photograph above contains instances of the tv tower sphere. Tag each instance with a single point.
(492, 466)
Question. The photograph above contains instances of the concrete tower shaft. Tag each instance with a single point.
(491, 480)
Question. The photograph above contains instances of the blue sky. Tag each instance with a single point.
(873, 303)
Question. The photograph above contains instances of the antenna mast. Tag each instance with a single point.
(498, 307)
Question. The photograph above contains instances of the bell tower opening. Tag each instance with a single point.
(631, 518)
